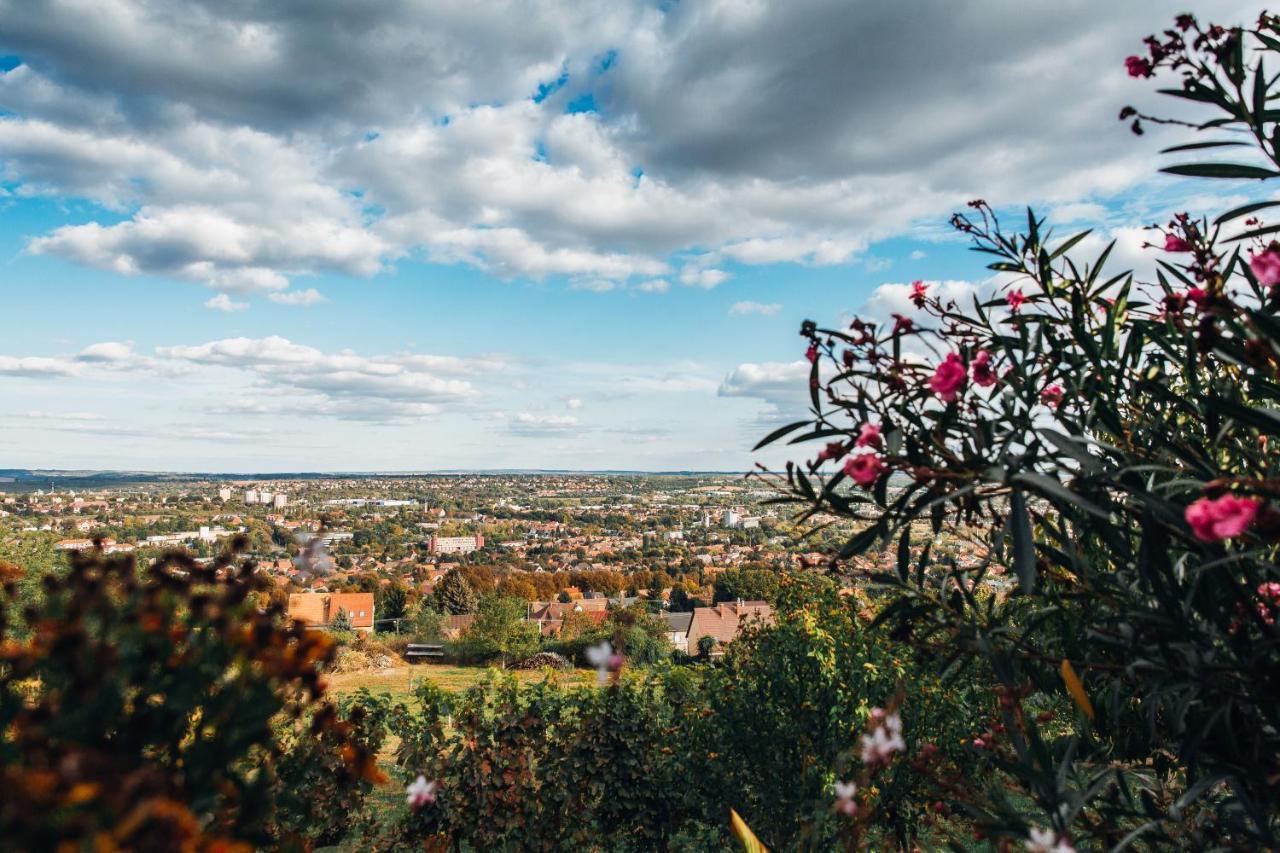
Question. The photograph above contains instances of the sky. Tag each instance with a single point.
(410, 236)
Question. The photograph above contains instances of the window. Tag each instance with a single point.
(361, 614)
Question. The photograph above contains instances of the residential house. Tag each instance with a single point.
(678, 628)
(319, 609)
(725, 621)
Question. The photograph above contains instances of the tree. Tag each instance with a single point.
(340, 623)
(500, 631)
(746, 584)
(454, 595)
(392, 601)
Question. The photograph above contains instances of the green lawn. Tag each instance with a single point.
(399, 680)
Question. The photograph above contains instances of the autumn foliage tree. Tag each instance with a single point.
(158, 709)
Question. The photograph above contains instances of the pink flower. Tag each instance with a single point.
(421, 792)
(902, 324)
(1015, 299)
(1213, 520)
(919, 292)
(1137, 66)
(845, 802)
(982, 373)
(869, 436)
(811, 353)
(1052, 395)
(879, 746)
(949, 378)
(1266, 266)
(864, 469)
(834, 450)
(1173, 243)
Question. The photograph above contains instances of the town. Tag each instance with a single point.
(700, 555)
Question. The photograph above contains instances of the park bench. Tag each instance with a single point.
(421, 651)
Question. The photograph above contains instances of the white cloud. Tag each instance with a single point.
(715, 140)
(573, 403)
(224, 303)
(783, 386)
(531, 425)
(657, 285)
(768, 310)
(305, 298)
(704, 278)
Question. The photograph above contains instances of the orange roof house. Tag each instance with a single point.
(725, 621)
(319, 609)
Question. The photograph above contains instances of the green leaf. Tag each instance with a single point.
(1024, 548)
(1244, 210)
(779, 433)
(1221, 170)
(1194, 146)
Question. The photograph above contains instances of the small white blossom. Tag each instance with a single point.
(845, 802)
(881, 744)
(1047, 841)
(420, 792)
(604, 659)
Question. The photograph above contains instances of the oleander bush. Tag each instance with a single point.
(1110, 441)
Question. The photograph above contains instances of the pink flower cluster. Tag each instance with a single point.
(949, 378)
(421, 792)
(864, 468)
(1215, 519)
(886, 739)
(1265, 265)
(845, 802)
(983, 375)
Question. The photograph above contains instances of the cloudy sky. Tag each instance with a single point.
(436, 234)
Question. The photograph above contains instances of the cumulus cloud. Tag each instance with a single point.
(748, 307)
(531, 425)
(783, 386)
(226, 304)
(241, 156)
(305, 298)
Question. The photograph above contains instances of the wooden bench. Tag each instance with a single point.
(420, 651)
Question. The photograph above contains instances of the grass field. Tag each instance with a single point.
(399, 680)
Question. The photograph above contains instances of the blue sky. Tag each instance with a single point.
(579, 238)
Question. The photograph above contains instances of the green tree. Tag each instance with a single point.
(500, 631)
(747, 584)
(453, 594)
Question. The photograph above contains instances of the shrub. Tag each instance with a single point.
(146, 710)
(1109, 443)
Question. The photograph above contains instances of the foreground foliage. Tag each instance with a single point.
(1112, 444)
(162, 710)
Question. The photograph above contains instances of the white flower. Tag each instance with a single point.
(313, 559)
(603, 659)
(1047, 841)
(421, 792)
(881, 744)
(845, 801)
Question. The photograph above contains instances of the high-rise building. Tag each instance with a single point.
(281, 500)
(251, 497)
(224, 494)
